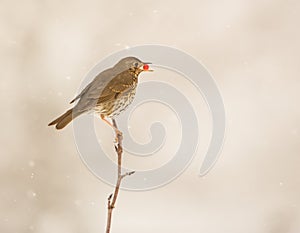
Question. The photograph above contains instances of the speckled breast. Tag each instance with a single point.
(114, 107)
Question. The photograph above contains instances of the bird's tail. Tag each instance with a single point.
(64, 119)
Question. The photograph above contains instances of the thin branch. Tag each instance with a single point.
(111, 201)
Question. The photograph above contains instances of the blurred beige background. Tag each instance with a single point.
(251, 48)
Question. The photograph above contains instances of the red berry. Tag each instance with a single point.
(146, 67)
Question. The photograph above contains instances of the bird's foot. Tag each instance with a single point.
(119, 135)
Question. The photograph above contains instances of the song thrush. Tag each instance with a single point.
(108, 94)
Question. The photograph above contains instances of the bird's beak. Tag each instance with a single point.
(145, 66)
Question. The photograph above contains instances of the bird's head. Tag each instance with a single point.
(133, 64)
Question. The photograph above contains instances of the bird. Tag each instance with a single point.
(109, 94)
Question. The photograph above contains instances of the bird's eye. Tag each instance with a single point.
(136, 64)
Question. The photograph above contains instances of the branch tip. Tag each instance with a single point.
(131, 173)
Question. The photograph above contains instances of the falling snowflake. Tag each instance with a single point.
(31, 163)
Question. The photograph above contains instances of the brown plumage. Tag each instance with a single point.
(63, 120)
(108, 94)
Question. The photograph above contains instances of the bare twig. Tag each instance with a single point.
(111, 201)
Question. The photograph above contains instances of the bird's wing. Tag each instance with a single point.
(103, 89)
(96, 83)
(120, 84)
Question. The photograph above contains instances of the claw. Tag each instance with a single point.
(119, 134)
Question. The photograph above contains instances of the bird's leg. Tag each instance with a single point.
(117, 131)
